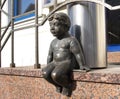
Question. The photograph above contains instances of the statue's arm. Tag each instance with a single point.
(50, 54)
(77, 52)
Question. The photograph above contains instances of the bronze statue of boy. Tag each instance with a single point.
(63, 49)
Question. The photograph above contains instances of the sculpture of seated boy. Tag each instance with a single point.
(63, 49)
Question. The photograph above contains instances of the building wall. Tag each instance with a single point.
(25, 40)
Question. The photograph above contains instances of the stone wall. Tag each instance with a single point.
(113, 57)
(27, 83)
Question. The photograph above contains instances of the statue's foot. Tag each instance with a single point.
(67, 91)
(58, 89)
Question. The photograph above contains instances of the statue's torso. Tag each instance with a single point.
(61, 49)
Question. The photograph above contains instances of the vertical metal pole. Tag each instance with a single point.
(0, 33)
(88, 24)
(55, 4)
(12, 36)
(37, 65)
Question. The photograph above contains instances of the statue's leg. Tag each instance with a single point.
(61, 75)
(47, 75)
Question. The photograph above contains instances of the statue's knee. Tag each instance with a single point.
(45, 74)
(55, 76)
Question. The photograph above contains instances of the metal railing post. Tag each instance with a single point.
(0, 33)
(12, 35)
(36, 65)
(2, 4)
(55, 4)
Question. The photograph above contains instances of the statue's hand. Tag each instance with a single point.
(85, 68)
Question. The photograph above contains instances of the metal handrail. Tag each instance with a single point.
(0, 34)
(3, 4)
(4, 43)
(60, 6)
(77, 1)
(5, 31)
(2, 7)
(4, 12)
(11, 33)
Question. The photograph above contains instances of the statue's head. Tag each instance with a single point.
(59, 24)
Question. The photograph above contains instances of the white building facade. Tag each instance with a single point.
(24, 39)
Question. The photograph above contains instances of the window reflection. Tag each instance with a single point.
(113, 25)
(47, 1)
(25, 6)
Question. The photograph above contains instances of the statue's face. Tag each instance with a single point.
(56, 28)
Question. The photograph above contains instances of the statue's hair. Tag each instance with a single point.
(62, 18)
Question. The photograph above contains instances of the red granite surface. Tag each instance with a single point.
(111, 74)
(113, 57)
(27, 83)
(19, 87)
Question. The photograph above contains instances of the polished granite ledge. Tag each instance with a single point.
(109, 75)
(21, 71)
(113, 57)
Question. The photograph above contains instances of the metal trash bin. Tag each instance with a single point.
(88, 25)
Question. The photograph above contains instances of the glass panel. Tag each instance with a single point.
(47, 1)
(23, 6)
(113, 26)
